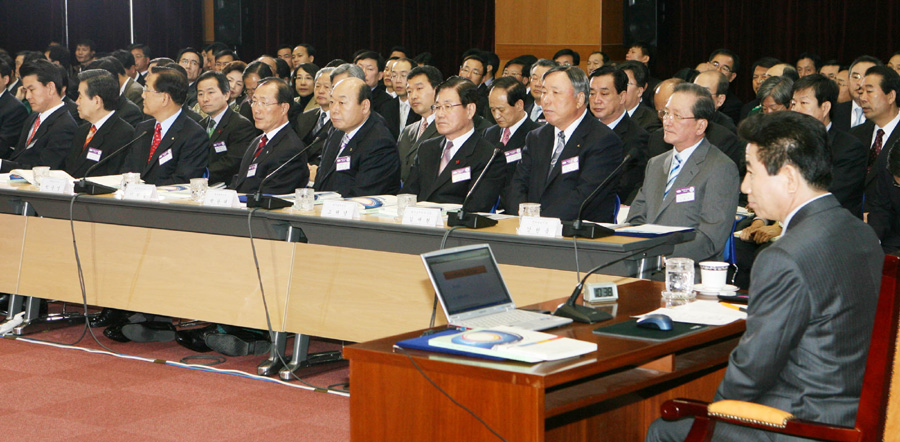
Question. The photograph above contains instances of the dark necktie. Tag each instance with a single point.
(876, 148)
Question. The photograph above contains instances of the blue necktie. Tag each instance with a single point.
(673, 173)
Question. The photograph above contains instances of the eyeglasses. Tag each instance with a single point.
(857, 76)
(512, 74)
(260, 103)
(444, 108)
(663, 114)
(721, 67)
(191, 62)
(398, 76)
(466, 70)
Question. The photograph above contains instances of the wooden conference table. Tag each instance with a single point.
(610, 395)
(352, 280)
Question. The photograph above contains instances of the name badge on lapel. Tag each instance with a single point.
(684, 194)
(513, 155)
(463, 174)
(342, 163)
(570, 165)
(251, 170)
(165, 157)
(219, 146)
(94, 154)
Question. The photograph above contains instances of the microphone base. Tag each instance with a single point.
(89, 188)
(587, 230)
(470, 220)
(267, 202)
(580, 313)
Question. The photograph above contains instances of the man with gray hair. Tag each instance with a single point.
(538, 69)
(564, 161)
(694, 184)
(346, 70)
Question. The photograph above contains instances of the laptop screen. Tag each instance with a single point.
(467, 279)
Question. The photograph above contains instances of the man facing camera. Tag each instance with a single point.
(694, 184)
(271, 103)
(566, 160)
(447, 167)
(172, 148)
(229, 132)
(360, 157)
(812, 298)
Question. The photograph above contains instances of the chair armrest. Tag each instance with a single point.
(750, 413)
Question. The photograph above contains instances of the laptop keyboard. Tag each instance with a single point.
(510, 317)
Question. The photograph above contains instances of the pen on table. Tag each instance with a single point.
(736, 307)
(541, 342)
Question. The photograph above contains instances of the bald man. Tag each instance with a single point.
(717, 85)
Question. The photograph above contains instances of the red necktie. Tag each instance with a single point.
(262, 144)
(157, 137)
(876, 148)
(89, 137)
(505, 138)
(37, 123)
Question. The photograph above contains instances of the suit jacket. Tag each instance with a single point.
(409, 143)
(380, 99)
(185, 145)
(724, 121)
(726, 141)
(130, 112)
(134, 92)
(227, 145)
(374, 162)
(732, 106)
(809, 320)
(282, 147)
(114, 134)
(864, 133)
(848, 170)
(884, 212)
(842, 115)
(646, 117)
(598, 151)
(73, 111)
(715, 182)
(12, 117)
(634, 138)
(493, 135)
(392, 116)
(747, 107)
(475, 155)
(50, 145)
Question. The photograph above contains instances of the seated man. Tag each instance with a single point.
(812, 297)
(229, 132)
(360, 157)
(12, 111)
(694, 184)
(447, 167)
(174, 149)
(565, 160)
(884, 209)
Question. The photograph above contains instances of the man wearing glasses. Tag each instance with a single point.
(728, 63)
(398, 112)
(694, 184)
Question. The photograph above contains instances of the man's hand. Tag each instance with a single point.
(747, 233)
(766, 233)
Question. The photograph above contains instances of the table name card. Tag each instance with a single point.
(423, 216)
(540, 226)
(221, 198)
(340, 209)
(141, 192)
(57, 185)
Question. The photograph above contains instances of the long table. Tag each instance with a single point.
(609, 395)
(353, 280)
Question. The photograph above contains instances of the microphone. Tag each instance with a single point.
(591, 230)
(267, 201)
(83, 186)
(580, 313)
(473, 220)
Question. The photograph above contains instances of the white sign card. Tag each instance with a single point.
(221, 198)
(540, 226)
(340, 209)
(423, 216)
(141, 192)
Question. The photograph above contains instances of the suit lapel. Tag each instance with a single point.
(166, 143)
(219, 132)
(572, 149)
(690, 169)
(460, 159)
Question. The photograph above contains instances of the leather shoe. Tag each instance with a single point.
(153, 331)
(107, 317)
(234, 345)
(195, 339)
(114, 332)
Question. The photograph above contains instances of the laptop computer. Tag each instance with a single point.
(473, 294)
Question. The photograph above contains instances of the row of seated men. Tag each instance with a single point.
(551, 149)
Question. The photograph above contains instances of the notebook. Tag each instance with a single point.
(473, 294)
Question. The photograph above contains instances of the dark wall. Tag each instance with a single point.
(692, 29)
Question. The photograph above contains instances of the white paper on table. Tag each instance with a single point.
(653, 229)
(701, 312)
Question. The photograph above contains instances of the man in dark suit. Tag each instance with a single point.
(104, 132)
(278, 143)
(538, 69)
(229, 132)
(812, 298)
(564, 161)
(884, 208)
(360, 157)
(849, 114)
(717, 85)
(175, 147)
(46, 136)
(12, 111)
(507, 102)
(758, 72)
(728, 63)
(815, 95)
(398, 112)
(142, 59)
(692, 185)
(127, 109)
(447, 167)
(641, 113)
(878, 98)
(608, 88)
(192, 62)
(130, 88)
(372, 64)
(422, 83)
(314, 125)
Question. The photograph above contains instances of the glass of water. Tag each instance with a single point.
(304, 199)
(405, 200)
(130, 178)
(680, 276)
(198, 188)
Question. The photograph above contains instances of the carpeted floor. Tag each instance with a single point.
(64, 394)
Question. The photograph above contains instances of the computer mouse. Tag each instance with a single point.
(655, 322)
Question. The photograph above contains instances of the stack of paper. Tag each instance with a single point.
(701, 312)
(514, 343)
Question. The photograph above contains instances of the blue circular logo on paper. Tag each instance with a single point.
(485, 338)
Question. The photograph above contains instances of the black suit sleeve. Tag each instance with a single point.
(379, 169)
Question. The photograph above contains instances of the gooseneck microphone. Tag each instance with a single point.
(580, 313)
(83, 186)
(267, 201)
(473, 220)
(591, 230)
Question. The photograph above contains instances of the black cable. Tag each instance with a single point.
(434, 301)
(577, 265)
(262, 293)
(448, 395)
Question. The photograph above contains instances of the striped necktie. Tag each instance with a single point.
(560, 145)
(673, 174)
